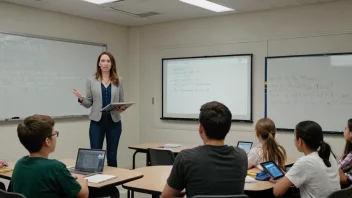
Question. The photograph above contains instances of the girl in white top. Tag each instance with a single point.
(268, 149)
(316, 174)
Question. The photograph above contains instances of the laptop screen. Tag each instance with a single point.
(90, 160)
(246, 146)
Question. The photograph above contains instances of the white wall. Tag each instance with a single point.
(295, 30)
(73, 132)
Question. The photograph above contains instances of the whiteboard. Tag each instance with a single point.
(37, 75)
(309, 87)
(190, 82)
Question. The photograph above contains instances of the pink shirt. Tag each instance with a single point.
(255, 157)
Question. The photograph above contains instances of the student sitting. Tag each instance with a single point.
(345, 163)
(36, 176)
(315, 174)
(268, 149)
(211, 169)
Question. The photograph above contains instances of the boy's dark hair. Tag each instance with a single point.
(34, 130)
(216, 120)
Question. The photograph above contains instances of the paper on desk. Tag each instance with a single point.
(98, 178)
(171, 145)
(249, 179)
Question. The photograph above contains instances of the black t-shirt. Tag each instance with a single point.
(210, 170)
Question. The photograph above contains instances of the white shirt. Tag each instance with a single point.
(313, 178)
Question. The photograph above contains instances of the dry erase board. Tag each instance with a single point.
(309, 87)
(37, 75)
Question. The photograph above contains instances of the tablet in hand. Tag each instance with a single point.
(272, 169)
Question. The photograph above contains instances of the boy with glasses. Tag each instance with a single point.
(36, 176)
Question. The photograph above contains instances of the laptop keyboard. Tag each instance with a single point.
(80, 172)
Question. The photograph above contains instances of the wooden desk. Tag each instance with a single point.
(123, 175)
(142, 148)
(153, 181)
(258, 185)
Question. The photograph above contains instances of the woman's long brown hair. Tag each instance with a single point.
(114, 78)
(272, 151)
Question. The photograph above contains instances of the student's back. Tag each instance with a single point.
(41, 177)
(210, 170)
(313, 177)
(268, 149)
(315, 174)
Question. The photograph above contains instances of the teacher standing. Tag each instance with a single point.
(103, 88)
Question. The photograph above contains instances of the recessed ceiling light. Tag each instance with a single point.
(208, 5)
(100, 1)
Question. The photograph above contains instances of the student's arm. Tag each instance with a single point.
(281, 186)
(298, 174)
(343, 178)
(84, 192)
(176, 181)
(70, 186)
(170, 192)
(253, 158)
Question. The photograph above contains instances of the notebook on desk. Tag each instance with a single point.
(89, 162)
(170, 146)
(98, 178)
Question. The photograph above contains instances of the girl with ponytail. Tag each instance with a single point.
(316, 173)
(345, 163)
(268, 149)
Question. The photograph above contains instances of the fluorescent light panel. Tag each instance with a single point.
(208, 5)
(100, 1)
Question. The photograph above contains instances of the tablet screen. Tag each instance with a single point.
(273, 170)
(246, 146)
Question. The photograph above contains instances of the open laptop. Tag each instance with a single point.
(89, 162)
(246, 146)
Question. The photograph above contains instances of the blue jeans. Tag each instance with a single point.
(112, 130)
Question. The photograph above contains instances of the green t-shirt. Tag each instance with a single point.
(43, 178)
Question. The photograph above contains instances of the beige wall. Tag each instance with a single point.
(320, 28)
(73, 132)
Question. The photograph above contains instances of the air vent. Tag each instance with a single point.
(148, 14)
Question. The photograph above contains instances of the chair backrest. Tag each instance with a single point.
(160, 157)
(345, 193)
(221, 196)
(4, 194)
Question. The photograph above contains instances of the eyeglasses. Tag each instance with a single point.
(56, 133)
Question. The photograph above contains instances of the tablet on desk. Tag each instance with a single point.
(272, 169)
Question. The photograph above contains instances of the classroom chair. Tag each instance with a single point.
(160, 157)
(2, 186)
(221, 196)
(4, 194)
(345, 193)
